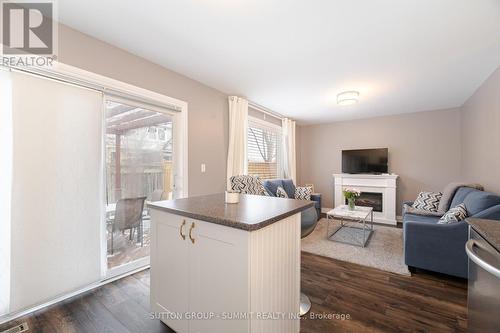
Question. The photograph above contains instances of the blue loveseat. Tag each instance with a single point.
(441, 247)
(308, 217)
(287, 184)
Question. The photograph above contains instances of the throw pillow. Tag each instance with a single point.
(289, 187)
(428, 201)
(247, 184)
(455, 214)
(281, 193)
(303, 193)
(407, 209)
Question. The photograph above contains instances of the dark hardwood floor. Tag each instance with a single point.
(369, 300)
(378, 301)
(121, 306)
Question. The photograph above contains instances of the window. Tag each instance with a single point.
(139, 151)
(264, 149)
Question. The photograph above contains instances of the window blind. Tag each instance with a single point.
(56, 195)
(264, 149)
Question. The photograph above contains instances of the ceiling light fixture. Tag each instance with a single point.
(348, 98)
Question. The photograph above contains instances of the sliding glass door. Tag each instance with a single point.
(77, 171)
(139, 167)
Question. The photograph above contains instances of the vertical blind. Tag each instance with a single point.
(5, 187)
(264, 149)
(56, 194)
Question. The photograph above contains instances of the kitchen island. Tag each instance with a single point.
(218, 267)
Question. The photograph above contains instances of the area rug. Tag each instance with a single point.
(383, 251)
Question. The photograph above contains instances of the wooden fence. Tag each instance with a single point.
(263, 170)
(139, 180)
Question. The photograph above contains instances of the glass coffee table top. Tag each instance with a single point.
(356, 226)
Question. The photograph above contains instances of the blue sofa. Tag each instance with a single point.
(441, 247)
(308, 217)
(287, 184)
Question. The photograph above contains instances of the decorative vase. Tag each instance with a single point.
(351, 202)
(232, 197)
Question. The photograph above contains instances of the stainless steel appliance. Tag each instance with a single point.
(484, 285)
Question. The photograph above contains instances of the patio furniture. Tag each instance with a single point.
(128, 216)
(158, 195)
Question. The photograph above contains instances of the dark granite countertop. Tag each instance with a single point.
(489, 229)
(253, 212)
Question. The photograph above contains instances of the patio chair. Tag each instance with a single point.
(128, 216)
(158, 195)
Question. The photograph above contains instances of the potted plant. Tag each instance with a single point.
(351, 194)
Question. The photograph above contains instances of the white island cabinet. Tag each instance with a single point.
(219, 267)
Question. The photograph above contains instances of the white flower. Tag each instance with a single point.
(351, 192)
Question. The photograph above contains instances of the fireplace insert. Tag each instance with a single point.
(370, 199)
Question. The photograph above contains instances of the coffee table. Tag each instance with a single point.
(355, 226)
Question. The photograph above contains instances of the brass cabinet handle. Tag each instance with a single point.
(180, 230)
(190, 230)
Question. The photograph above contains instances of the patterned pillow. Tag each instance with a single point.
(247, 184)
(428, 201)
(281, 193)
(303, 192)
(455, 214)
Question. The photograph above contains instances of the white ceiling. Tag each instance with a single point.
(294, 56)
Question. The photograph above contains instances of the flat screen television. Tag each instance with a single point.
(372, 161)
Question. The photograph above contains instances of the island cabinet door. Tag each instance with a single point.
(219, 278)
(170, 269)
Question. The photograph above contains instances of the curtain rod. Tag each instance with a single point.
(262, 109)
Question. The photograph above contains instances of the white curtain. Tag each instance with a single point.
(237, 151)
(289, 162)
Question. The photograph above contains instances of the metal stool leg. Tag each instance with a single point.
(305, 304)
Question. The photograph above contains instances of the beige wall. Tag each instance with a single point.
(424, 150)
(208, 108)
(481, 135)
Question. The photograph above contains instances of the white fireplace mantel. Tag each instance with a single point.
(384, 184)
